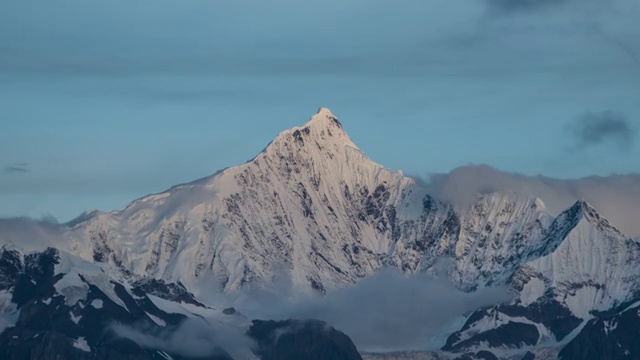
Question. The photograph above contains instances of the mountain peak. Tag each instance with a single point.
(325, 112)
(322, 129)
(583, 210)
(324, 118)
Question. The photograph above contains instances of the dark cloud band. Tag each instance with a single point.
(513, 6)
(15, 169)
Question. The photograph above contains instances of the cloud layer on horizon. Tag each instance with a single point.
(616, 197)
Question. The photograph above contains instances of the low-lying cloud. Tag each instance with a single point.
(384, 312)
(616, 197)
(194, 337)
(31, 234)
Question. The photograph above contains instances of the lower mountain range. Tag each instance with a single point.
(507, 266)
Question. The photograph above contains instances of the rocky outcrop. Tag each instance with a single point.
(294, 339)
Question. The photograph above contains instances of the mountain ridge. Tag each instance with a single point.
(287, 157)
(313, 205)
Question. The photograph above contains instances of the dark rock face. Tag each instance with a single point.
(53, 345)
(610, 337)
(167, 291)
(33, 279)
(546, 311)
(529, 356)
(511, 334)
(294, 340)
(10, 268)
(480, 355)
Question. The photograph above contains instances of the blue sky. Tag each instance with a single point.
(103, 102)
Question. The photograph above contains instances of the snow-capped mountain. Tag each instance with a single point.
(311, 205)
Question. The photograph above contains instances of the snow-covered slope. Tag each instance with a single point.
(592, 267)
(498, 233)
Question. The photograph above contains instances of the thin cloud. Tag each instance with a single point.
(603, 128)
(194, 337)
(519, 6)
(18, 168)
